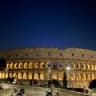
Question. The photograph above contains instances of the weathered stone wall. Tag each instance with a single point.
(25, 60)
(70, 53)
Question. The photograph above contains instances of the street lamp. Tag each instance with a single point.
(68, 68)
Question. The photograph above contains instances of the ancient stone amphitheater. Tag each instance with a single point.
(41, 64)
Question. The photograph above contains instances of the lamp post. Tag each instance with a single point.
(66, 69)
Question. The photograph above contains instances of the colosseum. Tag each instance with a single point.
(41, 64)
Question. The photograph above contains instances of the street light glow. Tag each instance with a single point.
(68, 68)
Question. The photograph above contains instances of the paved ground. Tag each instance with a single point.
(34, 91)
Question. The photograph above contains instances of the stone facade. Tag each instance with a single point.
(42, 64)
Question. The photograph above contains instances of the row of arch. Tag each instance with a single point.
(31, 65)
(44, 76)
(25, 65)
(81, 76)
(74, 78)
(30, 76)
(85, 66)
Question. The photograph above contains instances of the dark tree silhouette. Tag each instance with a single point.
(35, 81)
(92, 84)
(64, 80)
(54, 82)
(49, 83)
(2, 64)
(10, 79)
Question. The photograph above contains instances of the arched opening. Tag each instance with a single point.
(11, 65)
(20, 65)
(15, 66)
(10, 75)
(25, 76)
(30, 76)
(36, 65)
(36, 76)
(30, 65)
(20, 75)
(54, 75)
(15, 75)
(41, 76)
(42, 65)
(25, 65)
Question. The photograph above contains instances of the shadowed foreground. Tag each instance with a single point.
(36, 91)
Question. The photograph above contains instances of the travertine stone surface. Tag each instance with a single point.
(32, 63)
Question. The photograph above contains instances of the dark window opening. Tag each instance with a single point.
(60, 65)
(54, 66)
(49, 65)
(82, 55)
(60, 54)
(72, 54)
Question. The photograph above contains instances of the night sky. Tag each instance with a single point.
(48, 23)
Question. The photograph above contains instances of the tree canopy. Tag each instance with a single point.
(92, 84)
(54, 82)
(64, 80)
(2, 63)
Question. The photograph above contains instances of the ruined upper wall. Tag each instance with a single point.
(54, 53)
(77, 53)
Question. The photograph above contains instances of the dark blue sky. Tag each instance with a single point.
(47, 23)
